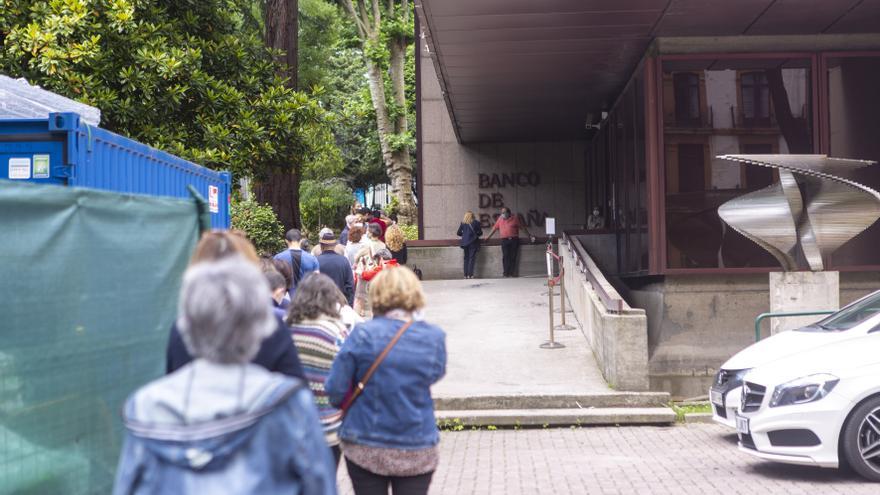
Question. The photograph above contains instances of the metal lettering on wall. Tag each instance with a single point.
(813, 206)
(495, 200)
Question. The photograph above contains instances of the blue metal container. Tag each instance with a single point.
(63, 150)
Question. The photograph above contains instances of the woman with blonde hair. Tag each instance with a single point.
(470, 232)
(389, 434)
(396, 243)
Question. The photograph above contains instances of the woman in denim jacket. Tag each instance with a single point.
(389, 434)
(221, 424)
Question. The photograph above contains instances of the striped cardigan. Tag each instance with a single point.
(317, 342)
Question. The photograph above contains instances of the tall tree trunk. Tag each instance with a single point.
(400, 169)
(280, 188)
(367, 17)
(282, 33)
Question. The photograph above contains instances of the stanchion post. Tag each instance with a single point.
(563, 325)
(550, 344)
(562, 290)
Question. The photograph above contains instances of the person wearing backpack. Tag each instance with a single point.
(470, 232)
(301, 262)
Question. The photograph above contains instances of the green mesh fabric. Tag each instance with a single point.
(88, 290)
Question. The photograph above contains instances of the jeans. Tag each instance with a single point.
(368, 483)
(470, 258)
(509, 252)
(337, 454)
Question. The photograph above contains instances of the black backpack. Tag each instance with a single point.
(296, 265)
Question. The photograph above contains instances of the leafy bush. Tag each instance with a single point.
(410, 231)
(324, 203)
(393, 207)
(260, 224)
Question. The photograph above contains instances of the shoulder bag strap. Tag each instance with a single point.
(296, 265)
(363, 382)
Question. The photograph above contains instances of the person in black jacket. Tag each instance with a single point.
(336, 266)
(470, 232)
(277, 352)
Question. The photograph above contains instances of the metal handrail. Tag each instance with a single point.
(612, 304)
(761, 317)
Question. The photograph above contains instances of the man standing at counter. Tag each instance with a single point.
(508, 225)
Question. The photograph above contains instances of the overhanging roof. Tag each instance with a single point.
(533, 69)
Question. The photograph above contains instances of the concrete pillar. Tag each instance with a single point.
(802, 291)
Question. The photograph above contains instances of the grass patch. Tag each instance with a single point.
(693, 407)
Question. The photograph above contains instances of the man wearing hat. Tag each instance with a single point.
(336, 266)
(339, 248)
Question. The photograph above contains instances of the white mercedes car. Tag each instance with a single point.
(855, 320)
(820, 407)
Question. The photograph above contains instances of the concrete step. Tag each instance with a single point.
(557, 417)
(600, 400)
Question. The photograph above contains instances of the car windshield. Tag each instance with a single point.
(852, 315)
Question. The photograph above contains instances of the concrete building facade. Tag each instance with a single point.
(534, 179)
(559, 106)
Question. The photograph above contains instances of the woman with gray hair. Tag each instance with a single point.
(221, 424)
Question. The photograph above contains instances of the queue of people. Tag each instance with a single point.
(278, 368)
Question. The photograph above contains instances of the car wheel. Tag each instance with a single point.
(861, 439)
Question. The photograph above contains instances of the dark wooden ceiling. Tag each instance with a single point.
(533, 69)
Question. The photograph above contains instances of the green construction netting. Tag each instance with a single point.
(88, 290)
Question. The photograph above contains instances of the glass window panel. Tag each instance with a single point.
(750, 106)
(619, 165)
(853, 106)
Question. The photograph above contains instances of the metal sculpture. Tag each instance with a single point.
(813, 206)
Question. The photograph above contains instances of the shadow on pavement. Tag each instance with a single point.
(813, 474)
(732, 439)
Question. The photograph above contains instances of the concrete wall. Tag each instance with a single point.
(619, 341)
(697, 322)
(550, 174)
(443, 263)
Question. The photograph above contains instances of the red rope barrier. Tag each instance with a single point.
(553, 281)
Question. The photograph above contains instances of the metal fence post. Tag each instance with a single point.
(563, 325)
(550, 344)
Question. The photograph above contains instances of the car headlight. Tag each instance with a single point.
(730, 379)
(802, 390)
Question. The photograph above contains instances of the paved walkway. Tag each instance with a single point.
(494, 328)
(678, 460)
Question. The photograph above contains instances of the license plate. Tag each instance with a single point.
(742, 425)
(716, 398)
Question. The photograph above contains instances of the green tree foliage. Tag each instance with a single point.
(411, 232)
(386, 34)
(320, 26)
(260, 224)
(331, 61)
(190, 76)
(324, 204)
